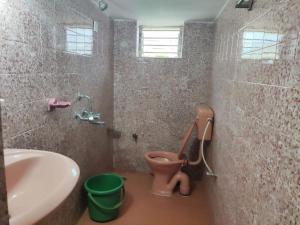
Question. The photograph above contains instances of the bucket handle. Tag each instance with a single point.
(108, 208)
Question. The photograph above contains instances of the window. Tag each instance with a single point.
(79, 40)
(261, 45)
(160, 42)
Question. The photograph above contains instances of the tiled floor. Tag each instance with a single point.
(143, 208)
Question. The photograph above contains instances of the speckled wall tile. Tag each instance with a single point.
(36, 65)
(3, 203)
(156, 98)
(255, 93)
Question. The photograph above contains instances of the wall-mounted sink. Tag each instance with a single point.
(37, 182)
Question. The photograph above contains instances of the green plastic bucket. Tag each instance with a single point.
(105, 196)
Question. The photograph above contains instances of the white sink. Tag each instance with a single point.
(37, 182)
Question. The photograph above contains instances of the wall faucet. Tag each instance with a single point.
(91, 117)
(81, 96)
(87, 114)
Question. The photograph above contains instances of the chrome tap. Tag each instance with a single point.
(88, 115)
(81, 96)
(91, 117)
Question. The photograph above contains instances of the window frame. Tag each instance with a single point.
(160, 28)
(78, 51)
(259, 52)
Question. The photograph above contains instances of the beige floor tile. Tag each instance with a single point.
(143, 208)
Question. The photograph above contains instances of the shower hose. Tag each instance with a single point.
(201, 149)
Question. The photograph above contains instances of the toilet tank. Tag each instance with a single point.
(204, 112)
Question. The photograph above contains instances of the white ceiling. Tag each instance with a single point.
(165, 12)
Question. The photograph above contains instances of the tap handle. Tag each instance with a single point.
(97, 116)
(81, 96)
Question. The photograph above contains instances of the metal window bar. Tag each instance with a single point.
(179, 42)
(84, 47)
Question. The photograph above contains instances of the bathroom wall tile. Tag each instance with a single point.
(49, 61)
(195, 42)
(125, 34)
(191, 30)
(275, 107)
(34, 66)
(22, 88)
(18, 58)
(48, 30)
(154, 95)
(255, 96)
(10, 20)
(31, 27)
(27, 88)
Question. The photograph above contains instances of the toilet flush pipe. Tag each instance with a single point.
(184, 186)
(185, 140)
(201, 150)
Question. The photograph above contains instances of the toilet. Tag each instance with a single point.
(166, 165)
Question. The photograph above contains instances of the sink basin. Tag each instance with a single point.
(37, 182)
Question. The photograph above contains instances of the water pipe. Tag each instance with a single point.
(201, 150)
(183, 179)
(185, 140)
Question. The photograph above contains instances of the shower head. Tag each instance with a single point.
(103, 5)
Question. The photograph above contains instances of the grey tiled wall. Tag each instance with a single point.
(256, 97)
(35, 66)
(156, 98)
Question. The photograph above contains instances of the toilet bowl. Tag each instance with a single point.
(166, 166)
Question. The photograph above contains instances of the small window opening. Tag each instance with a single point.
(160, 42)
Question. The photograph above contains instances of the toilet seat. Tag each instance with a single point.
(160, 159)
(165, 167)
(163, 157)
